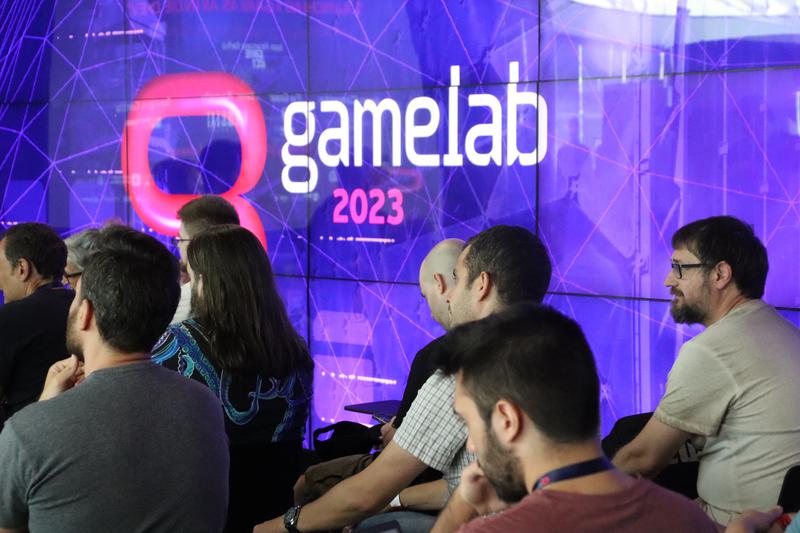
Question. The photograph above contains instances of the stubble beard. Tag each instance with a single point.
(503, 470)
(73, 344)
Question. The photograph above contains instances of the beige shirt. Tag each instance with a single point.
(736, 386)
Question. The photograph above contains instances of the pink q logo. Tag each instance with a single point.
(178, 95)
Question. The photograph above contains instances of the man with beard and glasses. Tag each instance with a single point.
(110, 445)
(733, 390)
(527, 388)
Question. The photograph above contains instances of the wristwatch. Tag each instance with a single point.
(290, 518)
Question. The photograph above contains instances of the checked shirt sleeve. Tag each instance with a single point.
(431, 431)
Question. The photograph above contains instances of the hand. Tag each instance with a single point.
(476, 490)
(271, 526)
(387, 432)
(299, 489)
(755, 522)
(62, 376)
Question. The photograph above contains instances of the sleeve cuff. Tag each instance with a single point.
(689, 427)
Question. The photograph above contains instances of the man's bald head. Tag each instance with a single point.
(435, 276)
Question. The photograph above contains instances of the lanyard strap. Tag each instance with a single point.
(572, 471)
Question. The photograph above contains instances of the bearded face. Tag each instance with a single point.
(74, 345)
(503, 470)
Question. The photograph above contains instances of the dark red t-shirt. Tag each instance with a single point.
(644, 506)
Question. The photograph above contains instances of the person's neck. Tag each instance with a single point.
(35, 284)
(726, 304)
(549, 458)
(491, 306)
(106, 357)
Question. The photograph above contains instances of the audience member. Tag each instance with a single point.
(117, 443)
(33, 320)
(79, 247)
(500, 266)
(195, 216)
(733, 388)
(435, 274)
(527, 388)
(242, 346)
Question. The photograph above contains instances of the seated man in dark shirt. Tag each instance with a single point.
(33, 320)
(434, 283)
(116, 443)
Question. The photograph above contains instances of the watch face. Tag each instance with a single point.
(290, 518)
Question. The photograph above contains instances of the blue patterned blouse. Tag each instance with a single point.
(257, 408)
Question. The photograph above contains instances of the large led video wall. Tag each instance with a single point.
(353, 135)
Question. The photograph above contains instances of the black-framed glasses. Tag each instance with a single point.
(72, 277)
(678, 268)
(176, 241)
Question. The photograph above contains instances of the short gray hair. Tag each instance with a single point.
(80, 246)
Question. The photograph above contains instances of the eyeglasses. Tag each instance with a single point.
(176, 241)
(678, 268)
(69, 277)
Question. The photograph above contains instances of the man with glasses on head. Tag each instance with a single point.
(79, 247)
(33, 320)
(195, 216)
(733, 390)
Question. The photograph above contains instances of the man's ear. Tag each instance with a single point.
(23, 269)
(484, 285)
(507, 421)
(722, 275)
(85, 314)
(441, 284)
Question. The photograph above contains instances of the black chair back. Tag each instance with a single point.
(789, 498)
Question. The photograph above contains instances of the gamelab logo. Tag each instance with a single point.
(342, 138)
(176, 95)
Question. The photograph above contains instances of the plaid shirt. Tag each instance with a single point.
(433, 433)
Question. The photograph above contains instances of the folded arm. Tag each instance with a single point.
(651, 450)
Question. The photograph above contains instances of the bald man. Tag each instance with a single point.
(435, 280)
(435, 276)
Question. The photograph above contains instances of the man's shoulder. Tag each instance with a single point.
(31, 306)
(548, 509)
(181, 392)
(17, 313)
(437, 385)
(135, 381)
(742, 328)
(434, 346)
(428, 355)
(30, 424)
(104, 396)
(169, 382)
(532, 514)
(434, 402)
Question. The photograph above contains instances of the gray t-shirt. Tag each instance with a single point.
(736, 387)
(133, 448)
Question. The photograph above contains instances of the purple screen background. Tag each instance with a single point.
(653, 121)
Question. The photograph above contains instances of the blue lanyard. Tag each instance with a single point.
(572, 471)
